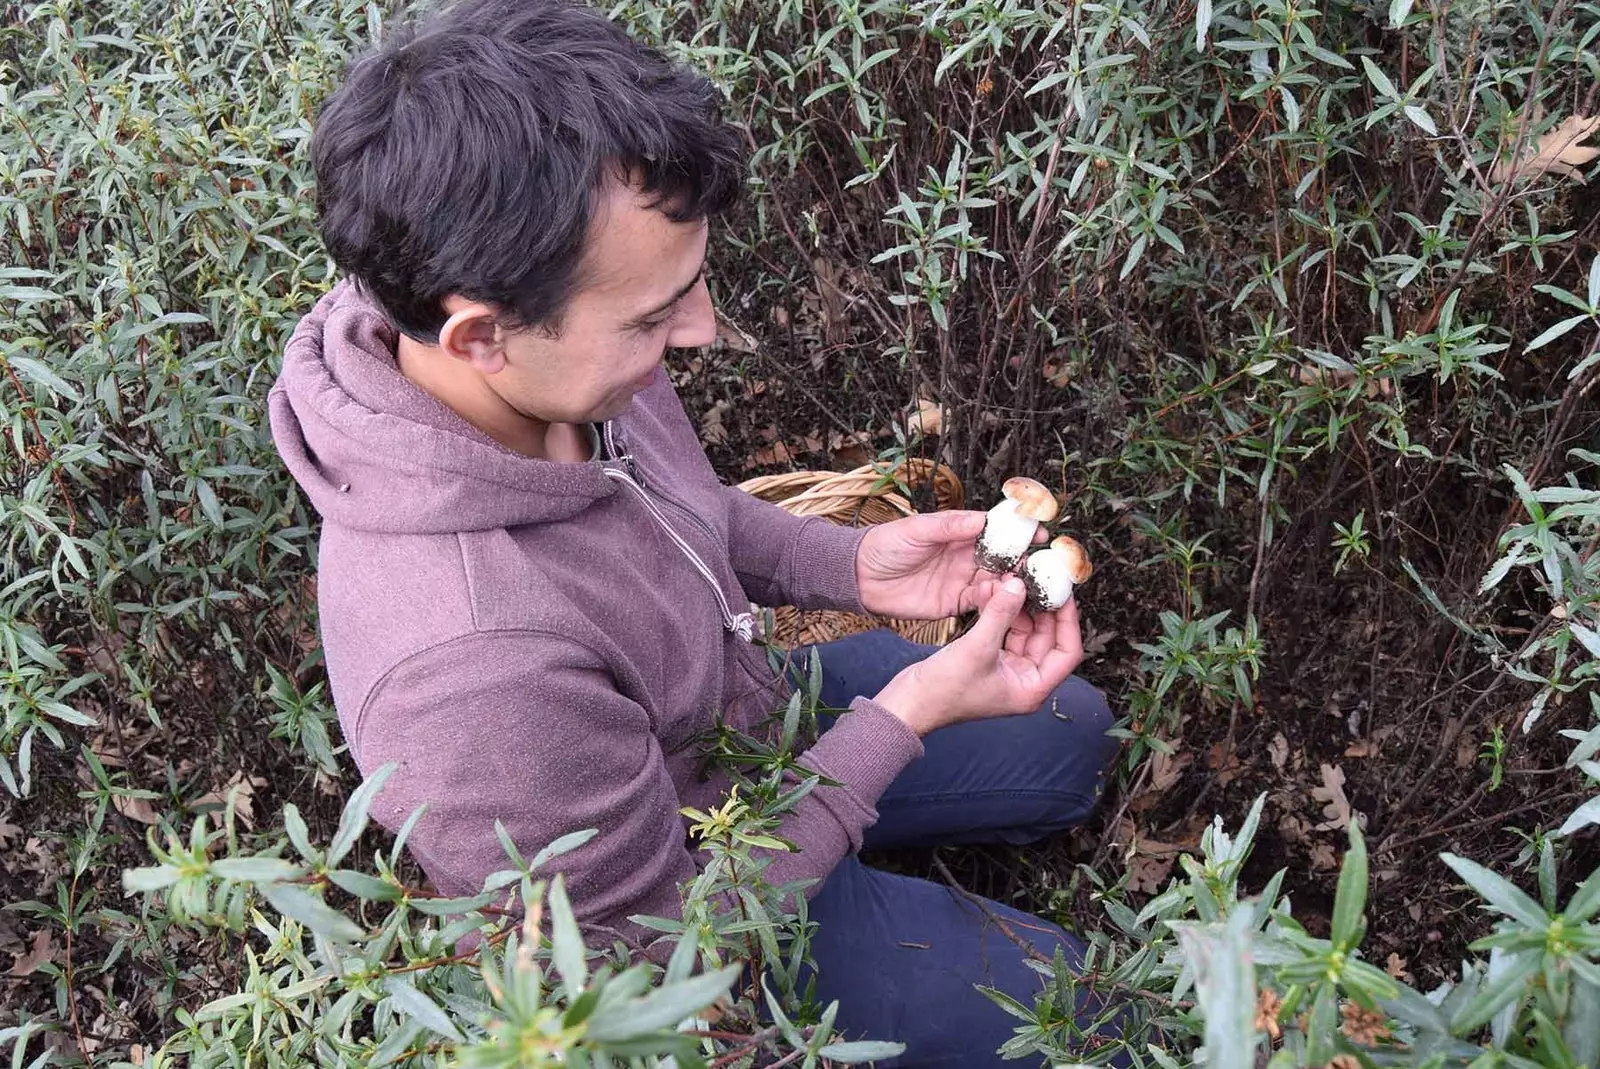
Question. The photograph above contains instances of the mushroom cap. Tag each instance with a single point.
(1078, 566)
(1033, 499)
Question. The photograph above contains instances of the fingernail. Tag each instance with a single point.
(1013, 585)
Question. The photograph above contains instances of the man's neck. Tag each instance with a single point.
(470, 398)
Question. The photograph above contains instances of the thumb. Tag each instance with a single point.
(955, 526)
(995, 619)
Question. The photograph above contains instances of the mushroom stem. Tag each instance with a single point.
(1007, 534)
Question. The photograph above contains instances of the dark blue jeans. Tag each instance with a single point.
(902, 955)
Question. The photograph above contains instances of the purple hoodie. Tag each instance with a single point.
(542, 643)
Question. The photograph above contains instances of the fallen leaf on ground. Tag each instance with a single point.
(712, 429)
(244, 791)
(927, 418)
(1323, 858)
(1364, 748)
(1291, 828)
(1226, 763)
(134, 808)
(1335, 806)
(774, 454)
(1149, 861)
(1148, 874)
(8, 832)
(1557, 150)
(44, 949)
(1167, 768)
(1396, 967)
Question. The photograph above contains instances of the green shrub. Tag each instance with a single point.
(1227, 272)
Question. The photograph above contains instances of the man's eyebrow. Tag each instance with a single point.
(645, 317)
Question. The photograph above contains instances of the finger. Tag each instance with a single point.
(954, 526)
(1063, 658)
(1043, 638)
(1017, 639)
(975, 596)
(995, 620)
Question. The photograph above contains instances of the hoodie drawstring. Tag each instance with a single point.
(742, 624)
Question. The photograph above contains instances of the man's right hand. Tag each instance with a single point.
(1006, 665)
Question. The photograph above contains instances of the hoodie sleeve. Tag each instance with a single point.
(527, 728)
(783, 559)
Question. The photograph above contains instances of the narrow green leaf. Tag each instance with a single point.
(566, 943)
(256, 869)
(364, 886)
(40, 374)
(1351, 898)
(1225, 982)
(1500, 893)
(297, 903)
(1497, 993)
(353, 821)
(1554, 332)
(1586, 814)
(663, 1008)
(413, 1003)
(153, 878)
(1380, 81)
(564, 845)
(858, 1051)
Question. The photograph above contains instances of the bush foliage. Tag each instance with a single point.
(1299, 305)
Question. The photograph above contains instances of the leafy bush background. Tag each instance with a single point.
(1241, 278)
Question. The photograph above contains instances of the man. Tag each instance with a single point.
(533, 587)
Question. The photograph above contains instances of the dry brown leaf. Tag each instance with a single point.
(1278, 750)
(1268, 1006)
(1335, 806)
(1323, 858)
(1167, 768)
(1149, 874)
(244, 791)
(134, 808)
(1364, 748)
(44, 949)
(1396, 967)
(1149, 861)
(1557, 150)
(1291, 828)
(712, 430)
(1225, 762)
(927, 418)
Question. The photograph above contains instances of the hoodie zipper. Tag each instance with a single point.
(741, 624)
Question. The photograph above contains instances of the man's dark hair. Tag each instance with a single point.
(463, 154)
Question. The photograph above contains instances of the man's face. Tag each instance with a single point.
(641, 290)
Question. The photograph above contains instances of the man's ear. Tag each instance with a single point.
(472, 336)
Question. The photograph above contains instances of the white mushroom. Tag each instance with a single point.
(1051, 573)
(1008, 530)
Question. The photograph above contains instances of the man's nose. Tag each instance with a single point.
(697, 325)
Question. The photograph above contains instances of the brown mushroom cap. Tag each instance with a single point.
(1033, 499)
(1078, 566)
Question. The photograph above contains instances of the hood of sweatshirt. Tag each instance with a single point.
(374, 453)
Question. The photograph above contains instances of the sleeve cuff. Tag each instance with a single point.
(865, 750)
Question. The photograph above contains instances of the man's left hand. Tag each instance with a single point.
(923, 567)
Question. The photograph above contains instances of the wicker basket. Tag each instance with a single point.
(864, 496)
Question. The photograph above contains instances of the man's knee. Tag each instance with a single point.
(1084, 710)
